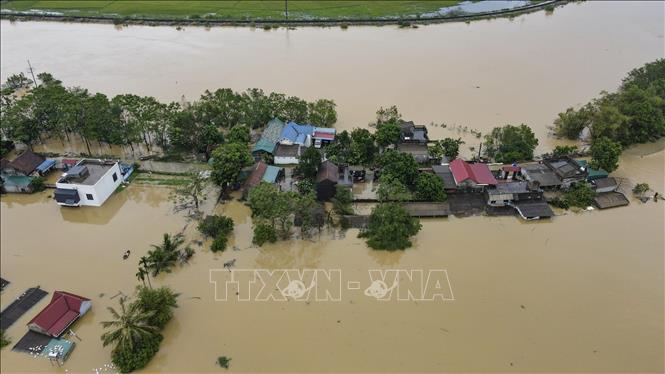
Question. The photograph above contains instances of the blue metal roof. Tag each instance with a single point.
(44, 166)
(297, 133)
(271, 174)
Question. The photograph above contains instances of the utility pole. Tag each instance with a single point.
(34, 80)
(286, 9)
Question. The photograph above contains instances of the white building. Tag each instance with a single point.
(89, 182)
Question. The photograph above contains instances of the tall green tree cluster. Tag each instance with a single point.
(390, 227)
(134, 330)
(33, 111)
(635, 113)
(510, 143)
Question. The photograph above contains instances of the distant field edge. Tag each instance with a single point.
(11, 15)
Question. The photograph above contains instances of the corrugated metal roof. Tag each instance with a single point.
(478, 173)
(271, 174)
(270, 136)
(59, 314)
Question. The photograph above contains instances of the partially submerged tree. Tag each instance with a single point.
(322, 113)
(429, 187)
(605, 154)
(390, 227)
(228, 161)
(510, 143)
(308, 164)
(448, 147)
(191, 194)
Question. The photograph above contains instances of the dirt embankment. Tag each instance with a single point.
(265, 23)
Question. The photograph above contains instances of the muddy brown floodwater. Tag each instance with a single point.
(583, 292)
(477, 75)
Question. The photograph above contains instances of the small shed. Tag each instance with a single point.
(612, 199)
(326, 180)
(45, 166)
(444, 173)
(16, 183)
(271, 174)
(605, 184)
(26, 163)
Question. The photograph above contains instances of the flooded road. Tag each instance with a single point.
(581, 293)
(479, 75)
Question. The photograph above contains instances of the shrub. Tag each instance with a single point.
(37, 184)
(580, 195)
(128, 360)
(223, 361)
(159, 300)
(640, 189)
(264, 233)
(215, 225)
(429, 187)
(4, 341)
(390, 227)
(219, 244)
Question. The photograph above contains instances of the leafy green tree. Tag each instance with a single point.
(164, 256)
(448, 147)
(511, 143)
(390, 227)
(322, 113)
(429, 187)
(308, 165)
(219, 243)
(362, 148)
(564, 150)
(129, 327)
(650, 75)
(580, 195)
(256, 111)
(605, 154)
(221, 108)
(160, 301)
(385, 115)
(264, 233)
(295, 109)
(401, 166)
(645, 112)
(228, 161)
(38, 184)
(238, 134)
(640, 189)
(190, 131)
(392, 188)
(570, 123)
(343, 200)
(305, 186)
(339, 151)
(214, 225)
(18, 81)
(128, 360)
(388, 133)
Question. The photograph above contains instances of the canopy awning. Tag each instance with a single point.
(45, 166)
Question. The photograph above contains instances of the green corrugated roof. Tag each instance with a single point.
(16, 180)
(271, 174)
(270, 136)
(593, 173)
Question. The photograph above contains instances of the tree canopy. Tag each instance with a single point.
(511, 143)
(605, 154)
(390, 227)
(228, 161)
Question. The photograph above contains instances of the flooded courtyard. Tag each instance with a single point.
(582, 292)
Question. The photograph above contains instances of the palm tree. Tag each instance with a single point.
(128, 327)
(165, 256)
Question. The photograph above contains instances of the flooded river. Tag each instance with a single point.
(479, 75)
(581, 293)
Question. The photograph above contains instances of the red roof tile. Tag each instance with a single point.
(478, 173)
(323, 135)
(59, 314)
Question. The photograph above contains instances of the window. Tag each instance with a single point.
(115, 177)
(89, 196)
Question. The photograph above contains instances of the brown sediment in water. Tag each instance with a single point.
(583, 292)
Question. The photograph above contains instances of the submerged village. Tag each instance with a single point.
(283, 158)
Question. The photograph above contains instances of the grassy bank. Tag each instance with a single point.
(233, 10)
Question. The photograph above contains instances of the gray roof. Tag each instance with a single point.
(417, 150)
(443, 172)
(542, 174)
(510, 187)
(284, 150)
(612, 199)
(605, 183)
(533, 209)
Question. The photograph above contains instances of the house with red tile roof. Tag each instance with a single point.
(471, 175)
(63, 310)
